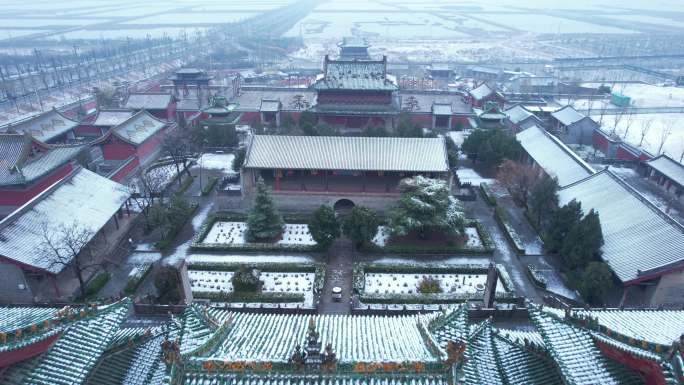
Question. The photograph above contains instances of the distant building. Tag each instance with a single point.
(133, 144)
(28, 167)
(518, 118)
(307, 171)
(104, 120)
(354, 48)
(572, 126)
(48, 127)
(440, 71)
(483, 93)
(668, 174)
(353, 95)
(158, 104)
(258, 104)
(436, 109)
(81, 197)
(191, 81)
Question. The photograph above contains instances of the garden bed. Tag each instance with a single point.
(398, 283)
(280, 283)
(136, 276)
(477, 241)
(226, 231)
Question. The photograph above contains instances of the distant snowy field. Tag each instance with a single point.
(223, 162)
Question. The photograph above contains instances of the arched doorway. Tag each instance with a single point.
(343, 207)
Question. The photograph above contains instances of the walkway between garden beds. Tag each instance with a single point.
(338, 273)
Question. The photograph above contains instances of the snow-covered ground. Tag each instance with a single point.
(273, 282)
(646, 95)
(234, 233)
(165, 174)
(468, 175)
(473, 241)
(222, 162)
(249, 258)
(397, 283)
(458, 136)
(659, 128)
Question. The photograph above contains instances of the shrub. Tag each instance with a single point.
(96, 284)
(324, 226)
(536, 276)
(246, 279)
(210, 186)
(361, 225)
(429, 285)
(136, 277)
(487, 195)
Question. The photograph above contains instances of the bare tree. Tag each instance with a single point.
(67, 246)
(617, 118)
(629, 121)
(518, 178)
(144, 191)
(177, 146)
(644, 130)
(668, 125)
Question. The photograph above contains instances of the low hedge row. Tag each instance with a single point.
(136, 279)
(249, 297)
(511, 235)
(429, 299)
(95, 285)
(536, 276)
(210, 186)
(487, 195)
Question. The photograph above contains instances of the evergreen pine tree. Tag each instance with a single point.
(324, 226)
(596, 280)
(361, 225)
(543, 199)
(562, 222)
(583, 242)
(264, 222)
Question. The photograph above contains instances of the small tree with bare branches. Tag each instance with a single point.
(668, 125)
(178, 146)
(644, 130)
(518, 178)
(67, 246)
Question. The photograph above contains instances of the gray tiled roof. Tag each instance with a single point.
(356, 75)
(148, 101)
(138, 127)
(82, 196)
(517, 114)
(250, 98)
(656, 326)
(567, 115)
(18, 166)
(269, 105)
(347, 153)
(638, 236)
(482, 91)
(668, 167)
(427, 99)
(43, 127)
(112, 117)
(442, 109)
(553, 156)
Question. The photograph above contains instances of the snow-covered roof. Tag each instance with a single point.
(139, 127)
(292, 99)
(567, 115)
(19, 164)
(82, 196)
(579, 360)
(518, 113)
(426, 99)
(356, 75)
(347, 153)
(269, 105)
(480, 92)
(148, 101)
(43, 127)
(640, 239)
(442, 109)
(656, 326)
(669, 167)
(78, 349)
(12, 318)
(553, 156)
(109, 118)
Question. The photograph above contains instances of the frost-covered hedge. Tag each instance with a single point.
(508, 230)
(359, 282)
(536, 276)
(249, 297)
(487, 195)
(136, 277)
(166, 242)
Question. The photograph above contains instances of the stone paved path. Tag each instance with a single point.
(338, 273)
